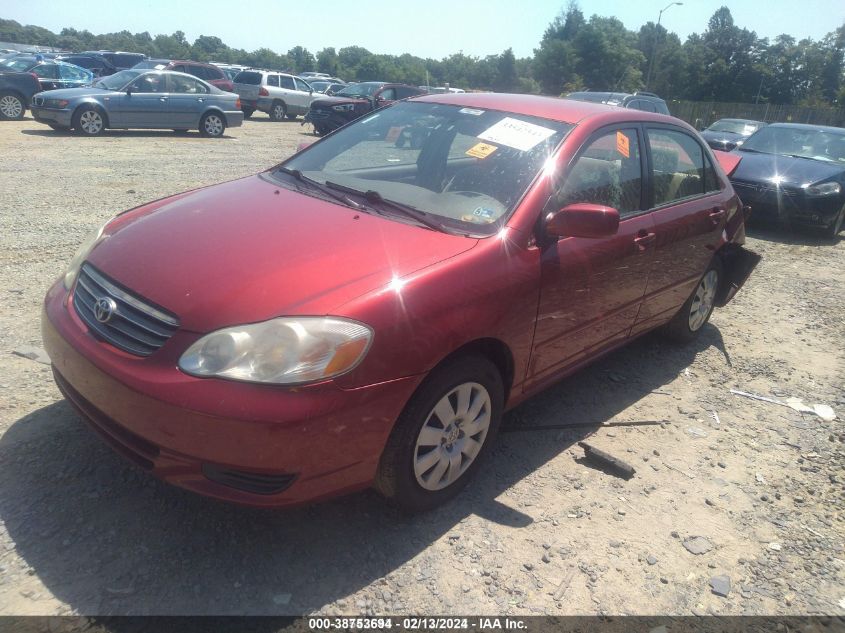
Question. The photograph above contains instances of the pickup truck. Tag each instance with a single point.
(16, 90)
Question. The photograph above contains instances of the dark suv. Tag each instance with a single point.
(207, 72)
(645, 101)
(121, 60)
(96, 63)
(355, 100)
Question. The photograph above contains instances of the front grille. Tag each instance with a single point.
(320, 114)
(256, 483)
(134, 325)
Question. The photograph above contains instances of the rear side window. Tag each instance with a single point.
(388, 94)
(273, 80)
(642, 104)
(251, 78)
(286, 82)
(403, 92)
(607, 172)
(678, 162)
(46, 71)
(75, 74)
(210, 72)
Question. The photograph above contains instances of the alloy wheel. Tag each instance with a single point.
(91, 122)
(279, 111)
(452, 436)
(702, 303)
(213, 125)
(11, 107)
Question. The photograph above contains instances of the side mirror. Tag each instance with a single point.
(583, 220)
(129, 90)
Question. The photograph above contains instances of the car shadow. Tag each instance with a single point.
(106, 538)
(123, 133)
(784, 234)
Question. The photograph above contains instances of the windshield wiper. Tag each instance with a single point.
(742, 148)
(297, 175)
(374, 197)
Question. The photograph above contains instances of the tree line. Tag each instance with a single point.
(724, 63)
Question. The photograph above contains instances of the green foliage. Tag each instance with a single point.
(723, 63)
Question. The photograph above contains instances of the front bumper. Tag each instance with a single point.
(788, 205)
(326, 121)
(52, 115)
(216, 437)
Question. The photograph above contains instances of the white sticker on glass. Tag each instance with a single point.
(514, 133)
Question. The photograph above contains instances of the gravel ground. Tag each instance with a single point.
(755, 488)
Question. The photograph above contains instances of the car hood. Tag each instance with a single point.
(786, 169)
(719, 136)
(249, 250)
(332, 100)
(73, 93)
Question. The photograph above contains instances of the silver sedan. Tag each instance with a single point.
(140, 99)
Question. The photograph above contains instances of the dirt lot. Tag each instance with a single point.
(540, 531)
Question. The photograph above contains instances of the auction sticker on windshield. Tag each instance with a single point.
(514, 133)
(481, 150)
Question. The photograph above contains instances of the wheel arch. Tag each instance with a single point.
(215, 110)
(493, 349)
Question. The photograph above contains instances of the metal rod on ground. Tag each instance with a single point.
(558, 427)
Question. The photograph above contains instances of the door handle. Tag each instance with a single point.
(716, 216)
(162, 98)
(200, 99)
(644, 240)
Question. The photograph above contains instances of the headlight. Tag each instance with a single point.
(824, 189)
(283, 351)
(87, 246)
(344, 107)
(56, 103)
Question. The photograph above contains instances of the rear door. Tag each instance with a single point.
(48, 76)
(591, 289)
(186, 100)
(689, 210)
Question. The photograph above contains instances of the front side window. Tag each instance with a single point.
(74, 74)
(302, 86)
(466, 167)
(608, 171)
(118, 80)
(678, 166)
(388, 94)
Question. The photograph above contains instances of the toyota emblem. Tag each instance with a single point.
(104, 309)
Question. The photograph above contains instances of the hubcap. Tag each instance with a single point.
(280, 112)
(702, 303)
(91, 122)
(11, 107)
(213, 125)
(452, 436)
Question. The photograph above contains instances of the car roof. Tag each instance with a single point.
(808, 126)
(554, 108)
(740, 121)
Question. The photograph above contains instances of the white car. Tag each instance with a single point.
(278, 94)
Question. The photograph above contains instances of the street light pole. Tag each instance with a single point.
(654, 46)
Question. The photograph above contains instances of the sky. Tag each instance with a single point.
(434, 28)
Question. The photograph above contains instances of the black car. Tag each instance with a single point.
(97, 64)
(354, 101)
(121, 60)
(16, 90)
(645, 101)
(726, 134)
(795, 174)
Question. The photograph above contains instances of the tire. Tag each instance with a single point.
(291, 117)
(836, 226)
(12, 106)
(248, 112)
(686, 325)
(415, 470)
(89, 120)
(278, 110)
(212, 125)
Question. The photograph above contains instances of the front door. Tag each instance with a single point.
(592, 289)
(146, 104)
(689, 211)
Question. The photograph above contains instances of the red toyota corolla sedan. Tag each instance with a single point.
(362, 314)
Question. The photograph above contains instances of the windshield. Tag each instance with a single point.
(19, 65)
(359, 90)
(734, 127)
(465, 167)
(319, 86)
(118, 80)
(815, 143)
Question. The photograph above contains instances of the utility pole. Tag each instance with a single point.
(654, 46)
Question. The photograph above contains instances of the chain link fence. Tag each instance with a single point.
(701, 114)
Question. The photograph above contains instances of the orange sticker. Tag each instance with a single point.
(622, 145)
(393, 134)
(481, 150)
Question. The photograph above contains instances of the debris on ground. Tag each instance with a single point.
(697, 545)
(32, 353)
(607, 461)
(720, 585)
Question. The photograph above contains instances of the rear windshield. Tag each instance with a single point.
(157, 64)
(248, 77)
